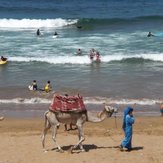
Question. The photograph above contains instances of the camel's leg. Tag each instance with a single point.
(65, 127)
(81, 145)
(46, 128)
(54, 133)
(81, 138)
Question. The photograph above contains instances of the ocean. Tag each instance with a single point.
(131, 67)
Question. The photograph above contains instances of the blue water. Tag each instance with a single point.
(131, 63)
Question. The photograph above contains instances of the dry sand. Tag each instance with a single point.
(21, 142)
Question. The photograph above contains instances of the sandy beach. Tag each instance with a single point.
(21, 142)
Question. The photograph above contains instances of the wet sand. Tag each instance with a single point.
(21, 142)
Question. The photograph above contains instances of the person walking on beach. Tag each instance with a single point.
(48, 87)
(128, 121)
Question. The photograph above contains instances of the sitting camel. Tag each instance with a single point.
(1, 118)
(53, 119)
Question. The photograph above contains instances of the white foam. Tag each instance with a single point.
(85, 59)
(101, 100)
(54, 60)
(35, 23)
(87, 100)
(25, 101)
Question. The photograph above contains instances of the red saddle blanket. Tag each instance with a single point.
(67, 103)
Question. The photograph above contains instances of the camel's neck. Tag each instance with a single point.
(92, 117)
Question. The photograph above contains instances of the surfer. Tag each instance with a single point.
(55, 33)
(38, 33)
(3, 58)
(150, 34)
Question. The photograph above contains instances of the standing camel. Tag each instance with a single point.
(53, 120)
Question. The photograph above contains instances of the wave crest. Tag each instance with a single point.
(35, 23)
(87, 100)
(141, 58)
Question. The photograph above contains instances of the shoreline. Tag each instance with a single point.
(33, 104)
(22, 111)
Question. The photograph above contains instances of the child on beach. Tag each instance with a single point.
(48, 87)
(33, 86)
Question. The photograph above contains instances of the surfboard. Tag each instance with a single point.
(55, 36)
(3, 62)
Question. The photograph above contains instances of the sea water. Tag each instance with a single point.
(131, 67)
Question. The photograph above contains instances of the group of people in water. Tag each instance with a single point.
(38, 33)
(94, 55)
(47, 88)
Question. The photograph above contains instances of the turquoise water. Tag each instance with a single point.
(131, 64)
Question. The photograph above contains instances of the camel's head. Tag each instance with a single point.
(110, 110)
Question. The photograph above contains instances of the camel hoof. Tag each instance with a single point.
(70, 150)
(60, 150)
(45, 151)
(82, 150)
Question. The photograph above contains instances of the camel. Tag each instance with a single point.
(1, 118)
(53, 120)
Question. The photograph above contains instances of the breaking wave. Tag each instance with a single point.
(87, 100)
(85, 59)
(103, 22)
(35, 23)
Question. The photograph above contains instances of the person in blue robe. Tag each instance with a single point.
(128, 121)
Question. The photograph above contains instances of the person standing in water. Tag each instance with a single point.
(33, 86)
(48, 87)
(79, 52)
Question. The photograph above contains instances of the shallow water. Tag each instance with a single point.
(131, 64)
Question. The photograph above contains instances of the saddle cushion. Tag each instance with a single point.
(67, 103)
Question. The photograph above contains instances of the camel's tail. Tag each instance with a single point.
(46, 119)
